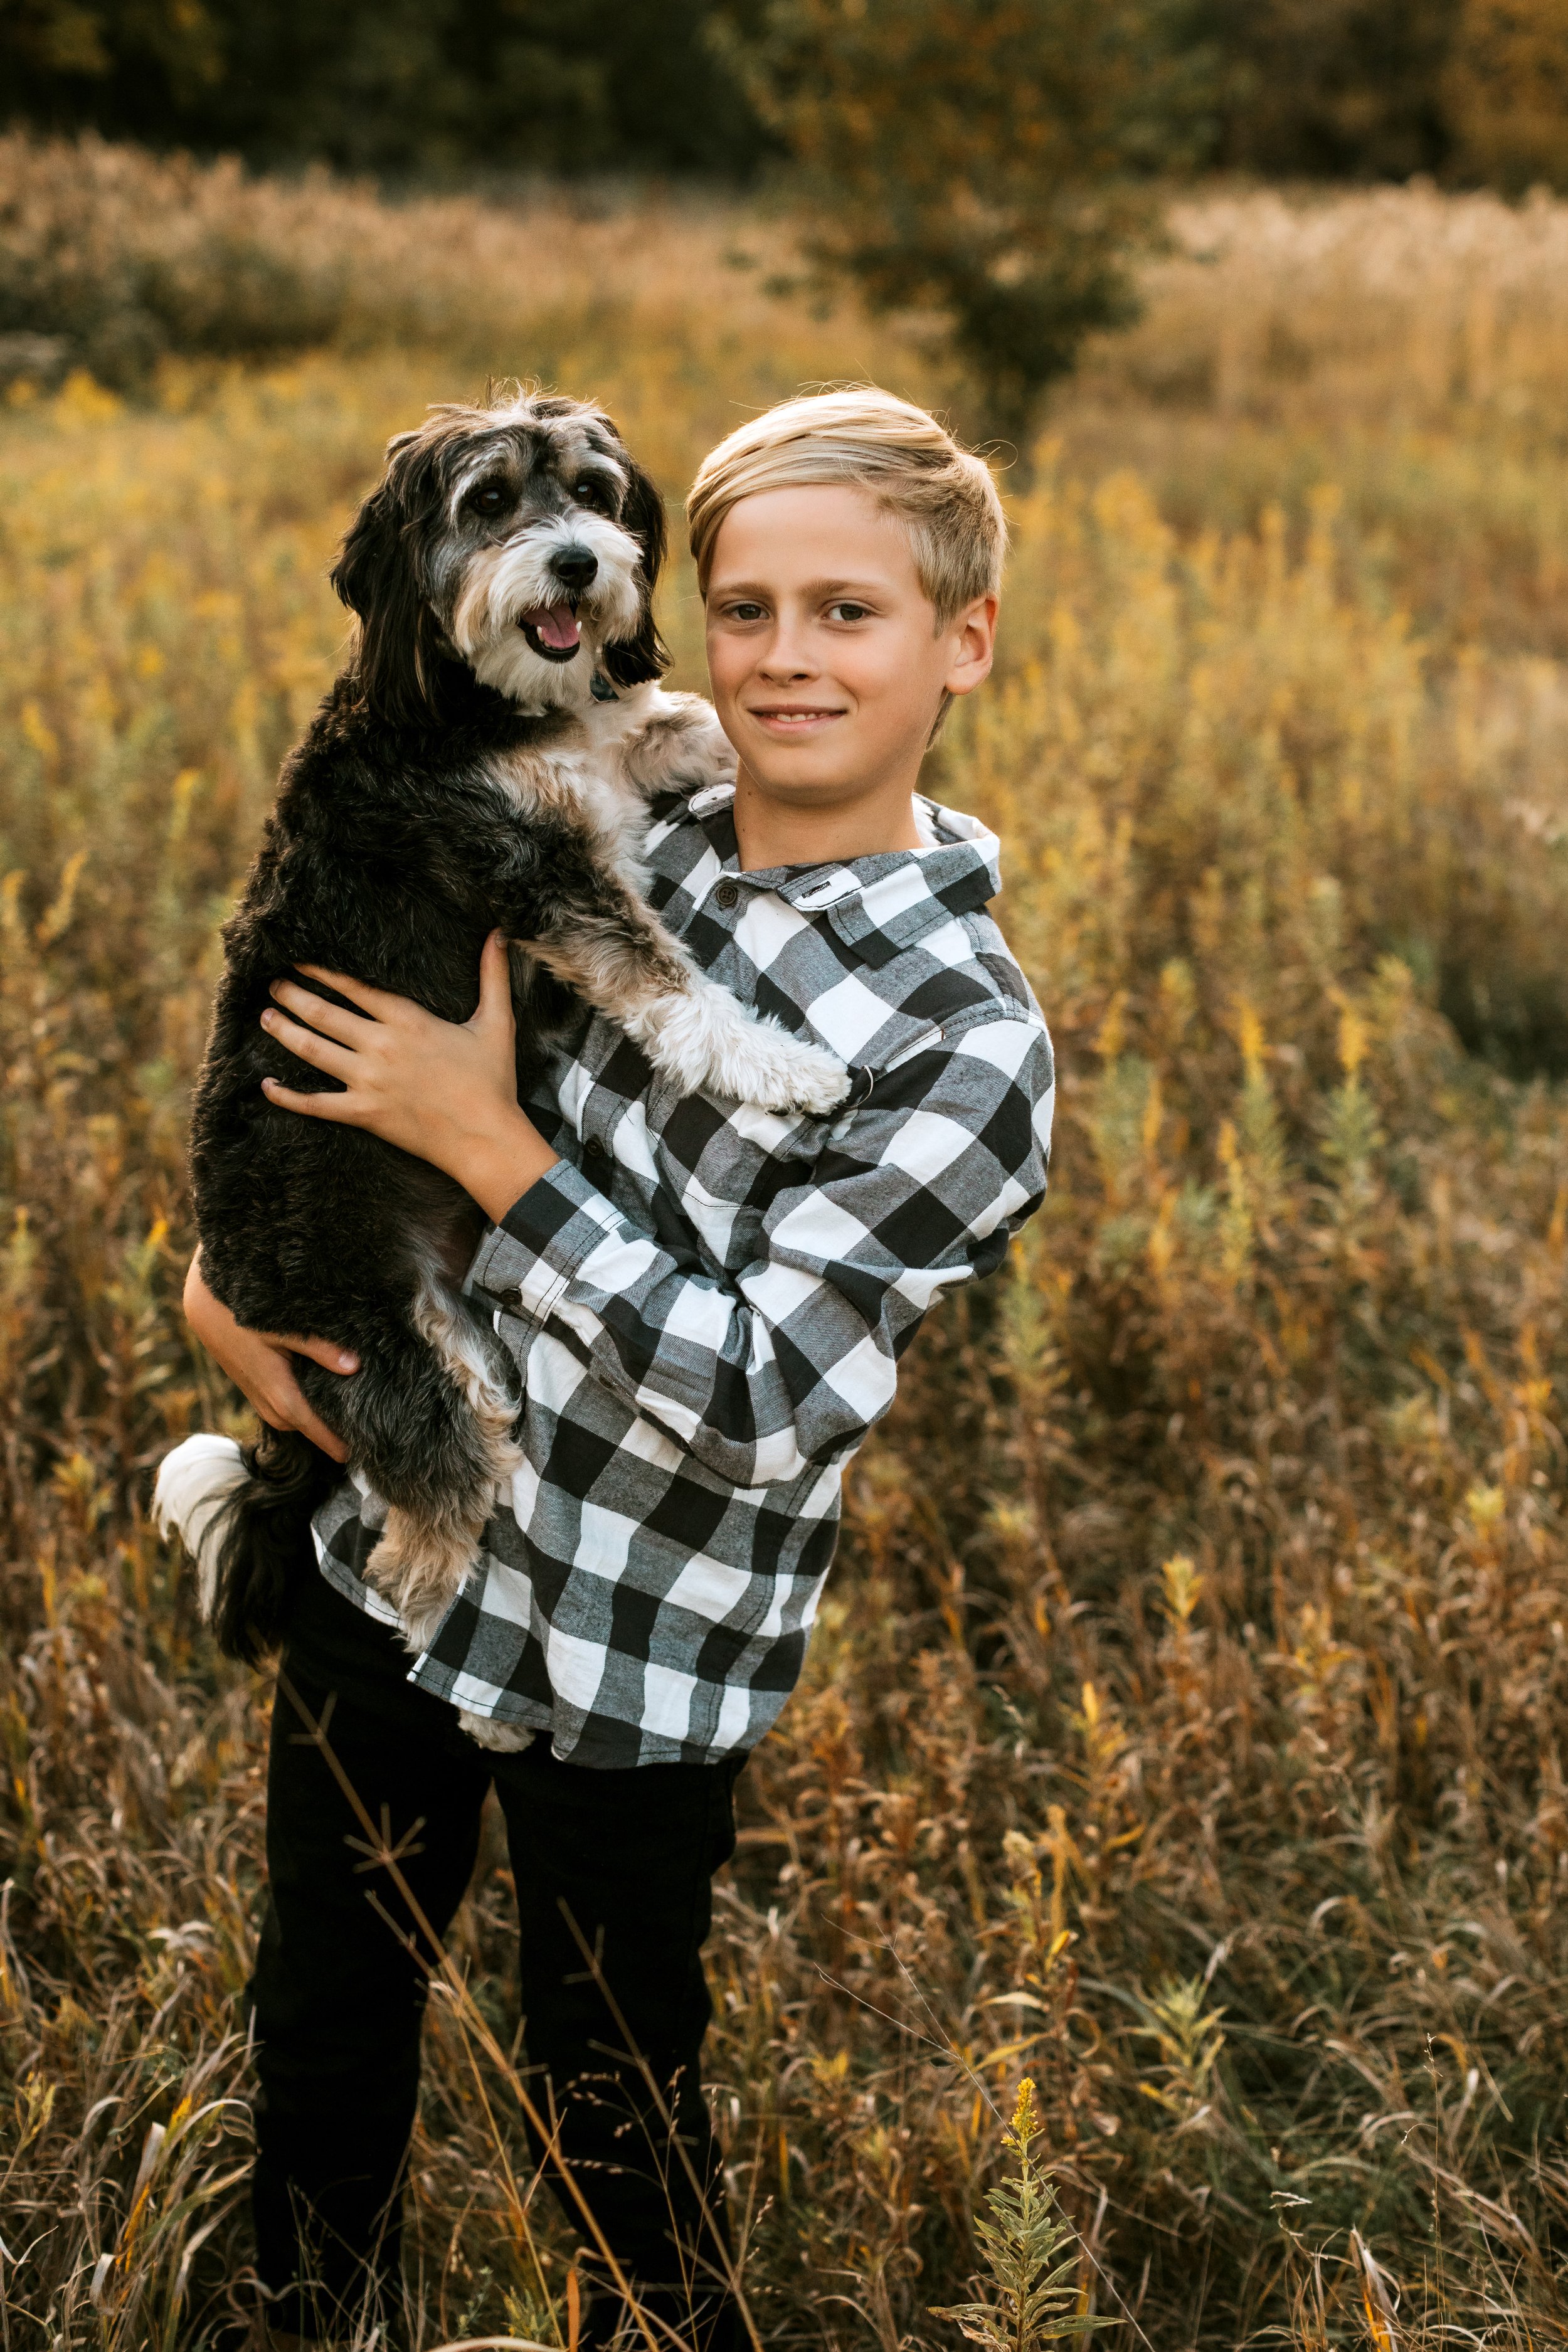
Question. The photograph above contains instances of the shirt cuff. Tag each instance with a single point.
(526, 1262)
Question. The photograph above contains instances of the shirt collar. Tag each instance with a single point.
(888, 891)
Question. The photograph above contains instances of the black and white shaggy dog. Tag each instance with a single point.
(484, 760)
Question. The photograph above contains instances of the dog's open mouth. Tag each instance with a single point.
(552, 631)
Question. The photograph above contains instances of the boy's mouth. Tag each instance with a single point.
(551, 632)
(785, 719)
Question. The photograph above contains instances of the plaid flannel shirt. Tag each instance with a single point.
(707, 1301)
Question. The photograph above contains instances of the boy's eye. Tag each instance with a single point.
(848, 610)
(745, 612)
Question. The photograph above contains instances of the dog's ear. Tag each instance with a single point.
(398, 660)
(642, 656)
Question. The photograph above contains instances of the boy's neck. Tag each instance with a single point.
(771, 831)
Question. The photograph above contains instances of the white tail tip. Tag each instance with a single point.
(194, 1484)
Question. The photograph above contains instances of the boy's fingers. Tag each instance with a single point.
(298, 1415)
(286, 1406)
(358, 992)
(332, 1020)
(309, 1106)
(495, 981)
(339, 1061)
(325, 1353)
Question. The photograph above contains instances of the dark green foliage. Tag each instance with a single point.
(426, 85)
(1321, 88)
(992, 163)
(137, 58)
(1334, 89)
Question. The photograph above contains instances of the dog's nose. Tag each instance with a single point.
(574, 567)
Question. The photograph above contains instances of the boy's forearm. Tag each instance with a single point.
(498, 1167)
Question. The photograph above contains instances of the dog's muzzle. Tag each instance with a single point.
(552, 630)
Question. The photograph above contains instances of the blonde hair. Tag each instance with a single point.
(941, 493)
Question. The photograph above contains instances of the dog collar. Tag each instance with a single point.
(601, 689)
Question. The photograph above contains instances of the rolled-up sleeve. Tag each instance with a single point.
(766, 1374)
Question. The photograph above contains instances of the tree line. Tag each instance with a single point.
(1475, 92)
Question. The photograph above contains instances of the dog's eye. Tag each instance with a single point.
(488, 499)
(590, 493)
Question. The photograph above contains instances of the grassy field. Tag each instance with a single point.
(1182, 1727)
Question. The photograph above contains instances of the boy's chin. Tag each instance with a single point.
(827, 763)
(801, 783)
(835, 769)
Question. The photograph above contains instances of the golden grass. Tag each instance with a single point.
(1183, 1727)
(1391, 297)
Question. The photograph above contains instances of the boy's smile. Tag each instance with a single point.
(829, 670)
(782, 719)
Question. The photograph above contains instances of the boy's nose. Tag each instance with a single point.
(784, 659)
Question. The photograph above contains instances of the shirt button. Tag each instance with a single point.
(727, 895)
(594, 1148)
(509, 1301)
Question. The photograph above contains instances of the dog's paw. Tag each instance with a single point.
(420, 1566)
(707, 1040)
(504, 1738)
(679, 745)
(705, 752)
(791, 1075)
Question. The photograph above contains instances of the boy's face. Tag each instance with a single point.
(827, 663)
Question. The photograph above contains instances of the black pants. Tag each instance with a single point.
(337, 1998)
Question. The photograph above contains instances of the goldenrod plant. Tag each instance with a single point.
(1032, 2250)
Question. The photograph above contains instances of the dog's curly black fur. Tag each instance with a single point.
(482, 761)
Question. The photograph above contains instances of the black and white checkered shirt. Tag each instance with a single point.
(709, 1301)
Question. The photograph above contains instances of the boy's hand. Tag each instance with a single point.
(445, 1091)
(259, 1363)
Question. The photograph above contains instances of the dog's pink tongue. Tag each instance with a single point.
(556, 625)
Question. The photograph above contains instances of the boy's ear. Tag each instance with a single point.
(642, 656)
(398, 659)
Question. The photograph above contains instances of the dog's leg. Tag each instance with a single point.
(487, 1731)
(429, 1542)
(431, 1538)
(420, 1564)
(618, 955)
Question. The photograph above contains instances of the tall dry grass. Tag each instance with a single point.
(1182, 1726)
(128, 259)
(1400, 297)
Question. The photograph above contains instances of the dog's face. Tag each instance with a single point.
(520, 540)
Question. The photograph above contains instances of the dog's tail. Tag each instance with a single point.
(244, 1515)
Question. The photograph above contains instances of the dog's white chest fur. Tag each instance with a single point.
(615, 754)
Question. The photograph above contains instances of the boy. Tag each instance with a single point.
(709, 1303)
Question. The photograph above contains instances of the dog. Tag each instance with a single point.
(486, 759)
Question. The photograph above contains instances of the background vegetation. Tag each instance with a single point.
(1184, 1726)
(1471, 90)
(996, 166)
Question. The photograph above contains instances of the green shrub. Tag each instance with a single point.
(127, 258)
